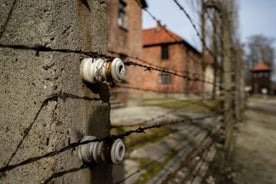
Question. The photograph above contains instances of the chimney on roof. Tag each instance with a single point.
(159, 26)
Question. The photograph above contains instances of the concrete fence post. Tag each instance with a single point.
(45, 105)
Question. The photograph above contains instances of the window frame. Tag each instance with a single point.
(122, 15)
(164, 78)
(165, 52)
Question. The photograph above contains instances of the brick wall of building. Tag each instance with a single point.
(125, 40)
(181, 60)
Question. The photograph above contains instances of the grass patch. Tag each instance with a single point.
(151, 172)
(138, 140)
(155, 168)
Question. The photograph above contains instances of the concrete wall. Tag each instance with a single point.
(41, 95)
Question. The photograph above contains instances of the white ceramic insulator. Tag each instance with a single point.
(118, 70)
(93, 151)
(117, 151)
(96, 70)
(85, 151)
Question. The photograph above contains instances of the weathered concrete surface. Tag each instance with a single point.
(42, 108)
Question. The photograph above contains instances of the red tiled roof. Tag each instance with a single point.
(159, 35)
(261, 66)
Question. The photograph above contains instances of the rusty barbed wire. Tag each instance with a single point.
(200, 151)
(194, 26)
(73, 146)
(53, 97)
(190, 156)
(163, 70)
(155, 66)
(41, 48)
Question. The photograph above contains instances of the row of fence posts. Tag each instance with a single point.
(232, 78)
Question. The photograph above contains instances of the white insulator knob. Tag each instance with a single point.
(94, 151)
(118, 70)
(99, 70)
(117, 151)
(85, 151)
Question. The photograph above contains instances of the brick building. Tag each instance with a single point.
(124, 36)
(261, 74)
(165, 49)
(125, 26)
(158, 46)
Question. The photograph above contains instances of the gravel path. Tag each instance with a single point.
(255, 156)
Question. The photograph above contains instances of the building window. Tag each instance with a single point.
(164, 78)
(164, 52)
(122, 14)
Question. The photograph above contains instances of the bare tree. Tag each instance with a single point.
(260, 48)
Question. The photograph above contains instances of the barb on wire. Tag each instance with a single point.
(154, 66)
(191, 155)
(146, 166)
(70, 146)
(200, 151)
(53, 97)
(150, 68)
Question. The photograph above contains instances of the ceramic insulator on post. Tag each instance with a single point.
(98, 70)
(99, 151)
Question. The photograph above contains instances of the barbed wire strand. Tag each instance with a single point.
(163, 27)
(162, 70)
(53, 97)
(139, 130)
(199, 150)
(41, 48)
(169, 33)
(194, 26)
(188, 157)
(155, 66)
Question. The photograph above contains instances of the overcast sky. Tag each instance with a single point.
(255, 16)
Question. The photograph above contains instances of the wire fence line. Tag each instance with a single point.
(197, 151)
(63, 96)
(53, 97)
(40, 48)
(141, 130)
(149, 67)
(194, 161)
(194, 26)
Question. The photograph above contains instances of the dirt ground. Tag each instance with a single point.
(255, 153)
